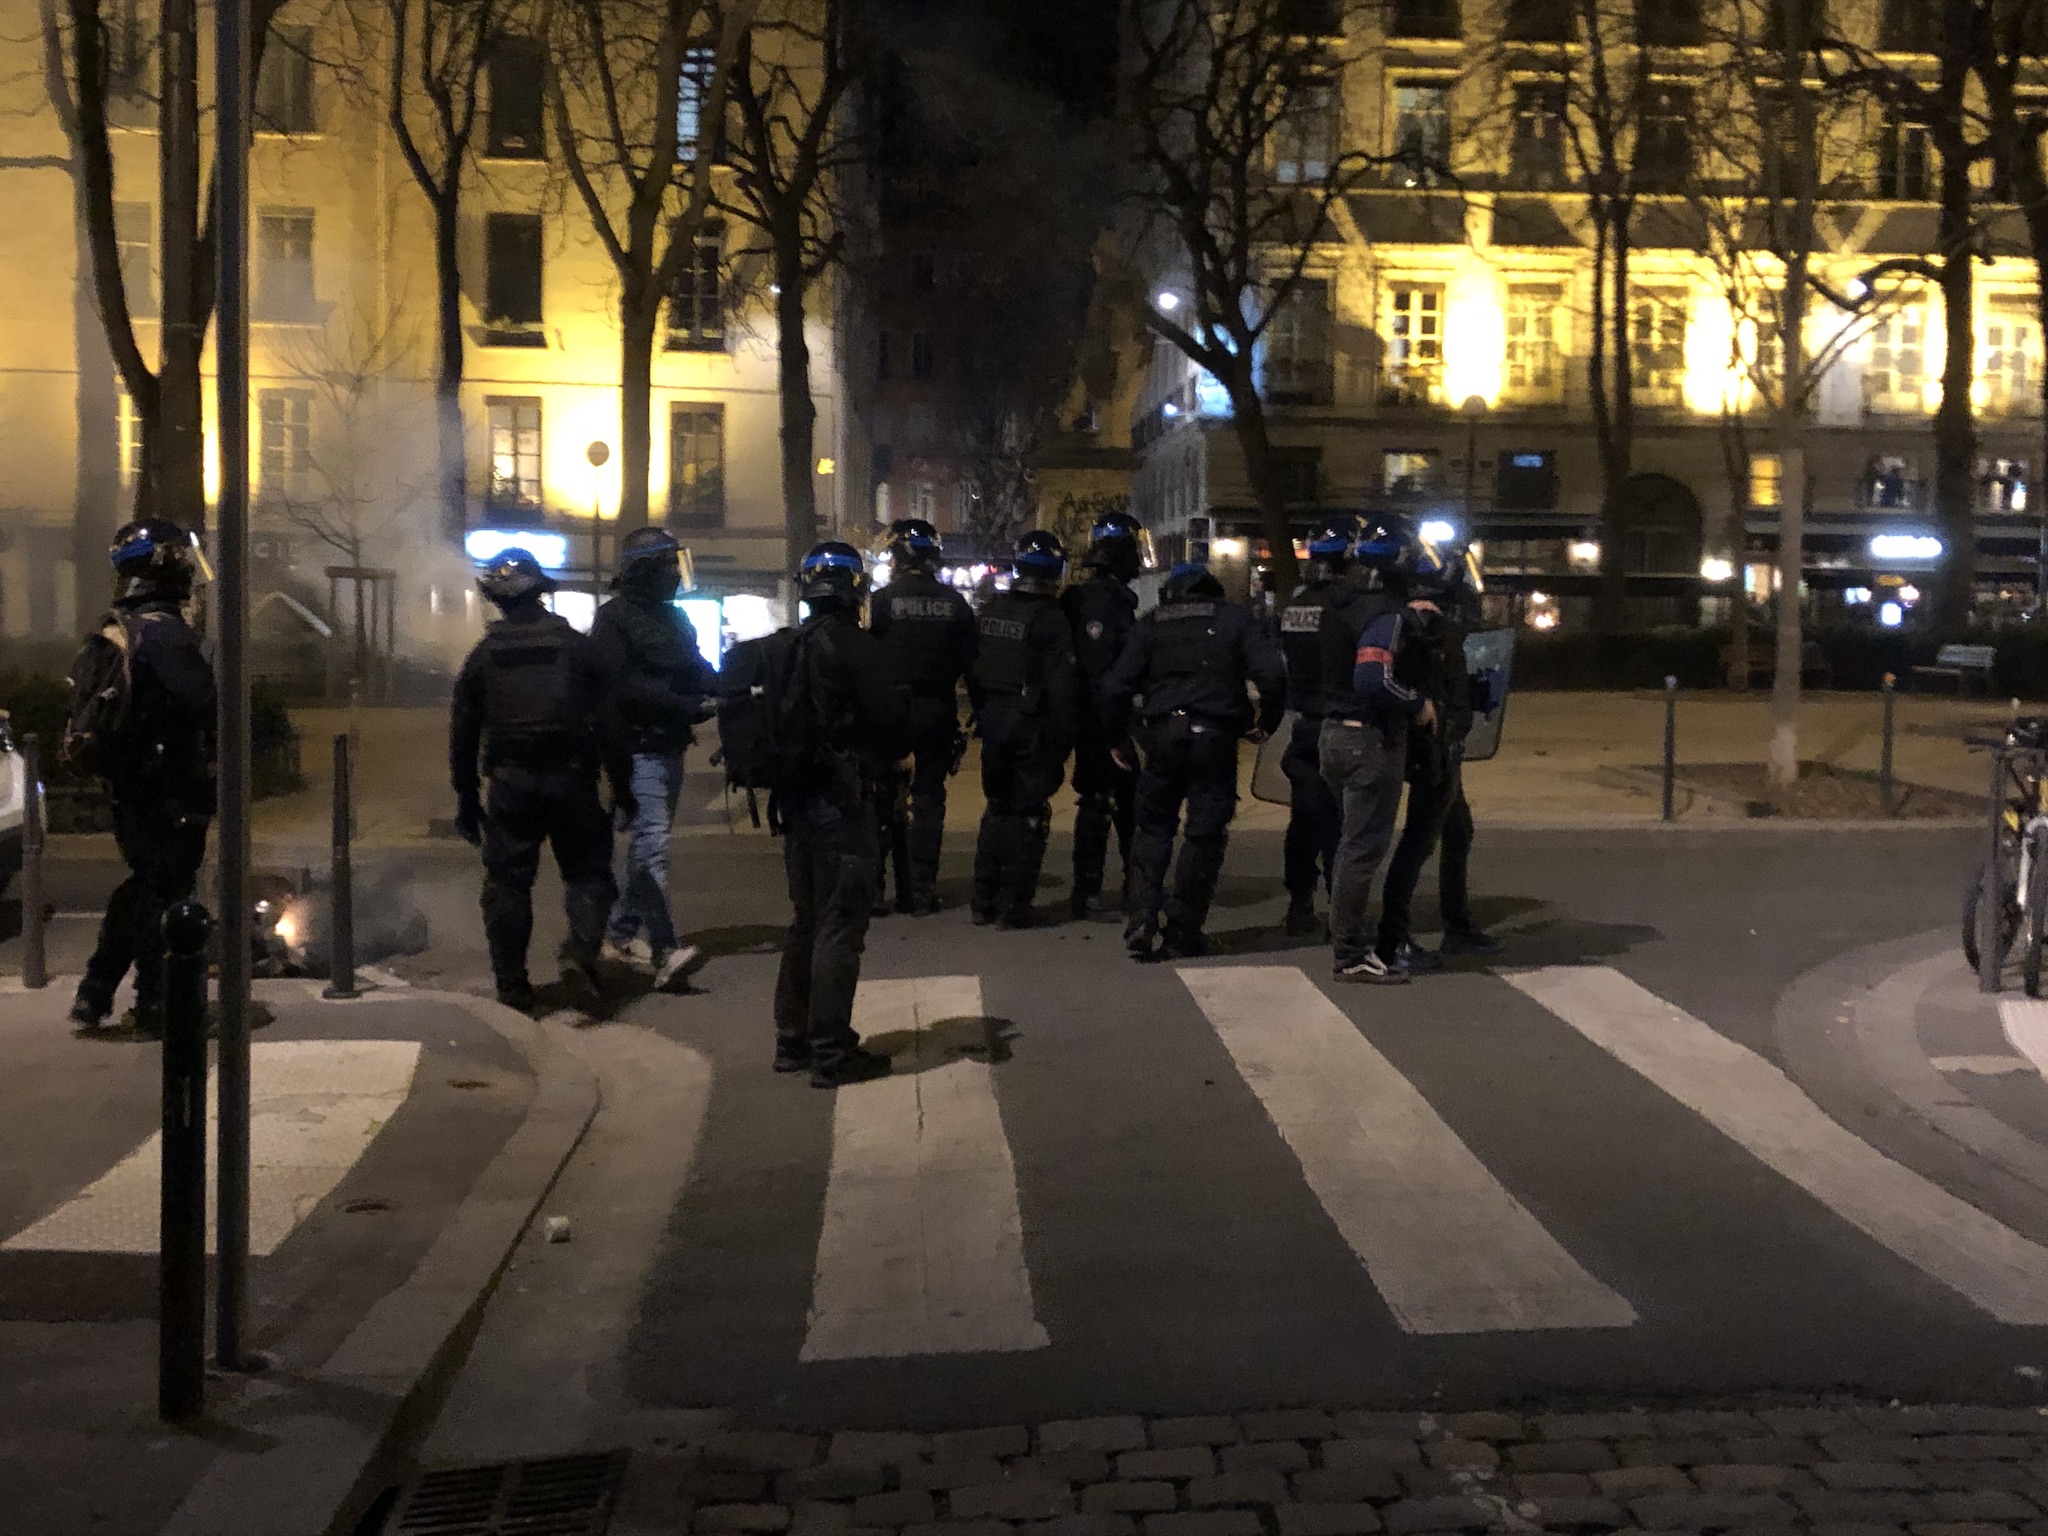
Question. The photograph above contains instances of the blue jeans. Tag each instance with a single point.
(657, 781)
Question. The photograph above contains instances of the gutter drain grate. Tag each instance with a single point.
(558, 1496)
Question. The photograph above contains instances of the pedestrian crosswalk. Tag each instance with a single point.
(315, 1107)
(923, 1252)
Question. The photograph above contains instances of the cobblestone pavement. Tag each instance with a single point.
(1859, 1471)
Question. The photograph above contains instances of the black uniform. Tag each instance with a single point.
(1027, 695)
(928, 633)
(1101, 611)
(857, 711)
(1190, 659)
(1314, 819)
(529, 706)
(163, 793)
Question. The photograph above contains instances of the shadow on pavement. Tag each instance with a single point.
(945, 1041)
(1568, 941)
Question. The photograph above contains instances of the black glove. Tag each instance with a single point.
(469, 818)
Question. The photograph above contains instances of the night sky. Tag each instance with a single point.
(1064, 47)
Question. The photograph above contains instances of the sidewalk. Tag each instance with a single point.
(1562, 765)
(400, 1145)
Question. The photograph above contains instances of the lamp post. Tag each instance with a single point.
(599, 454)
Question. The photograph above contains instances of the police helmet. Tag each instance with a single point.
(157, 558)
(1381, 541)
(1040, 562)
(514, 576)
(1332, 539)
(651, 560)
(914, 544)
(832, 574)
(1190, 579)
(1116, 544)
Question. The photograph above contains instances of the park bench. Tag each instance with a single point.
(1964, 663)
(1814, 669)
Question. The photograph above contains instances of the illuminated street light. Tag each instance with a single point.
(1715, 569)
(1166, 303)
(1905, 546)
(1438, 530)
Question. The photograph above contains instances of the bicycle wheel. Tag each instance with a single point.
(2036, 913)
(1998, 912)
(1971, 892)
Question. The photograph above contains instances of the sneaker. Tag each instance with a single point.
(1372, 971)
(1411, 959)
(677, 967)
(1183, 945)
(517, 995)
(1303, 922)
(1139, 941)
(792, 1058)
(636, 954)
(87, 1014)
(856, 1066)
(1468, 941)
(579, 981)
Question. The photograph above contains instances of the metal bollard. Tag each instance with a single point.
(1670, 749)
(181, 1262)
(35, 962)
(1884, 762)
(341, 968)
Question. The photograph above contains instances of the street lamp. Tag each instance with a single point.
(599, 454)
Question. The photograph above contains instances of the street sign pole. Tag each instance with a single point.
(231, 73)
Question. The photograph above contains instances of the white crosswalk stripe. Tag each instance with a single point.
(922, 1251)
(1750, 1101)
(315, 1107)
(1449, 1248)
(2025, 1022)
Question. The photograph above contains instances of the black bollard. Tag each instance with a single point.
(35, 963)
(181, 1262)
(1884, 762)
(1670, 749)
(341, 968)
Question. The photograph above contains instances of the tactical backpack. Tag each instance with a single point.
(769, 734)
(102, 677)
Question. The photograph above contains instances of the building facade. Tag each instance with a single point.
(342, 422)
(1435, 357)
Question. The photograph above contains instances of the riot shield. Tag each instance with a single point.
(1490, 658)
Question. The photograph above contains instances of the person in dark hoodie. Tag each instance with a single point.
(1188, 663)
(1370, 653)
(656, 684)
(159, 763)
(1102, 609)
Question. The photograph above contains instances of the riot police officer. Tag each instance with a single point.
(157, 758)
(928, 632)
(1314, 819)
(1437, 812)
(1369, 709)
(525, 744)
(1101, 610)
(1189, 660)
(656, 687)
(854, 731)
(1026, 694)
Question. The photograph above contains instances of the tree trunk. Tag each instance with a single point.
(451, 453)
(1790, 615)
(799, 411)
(1792, 418)
(96, 507)
(638, 321)
(1613, 414)
(1955, 431)
(178, 446)
(1248, 420)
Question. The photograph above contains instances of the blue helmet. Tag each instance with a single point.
(1381, 542)
(514, 575)
(1116, 544)
(1041, 559)
(1191, 578)
(913, 543)
(1333, 538)
(832, 573)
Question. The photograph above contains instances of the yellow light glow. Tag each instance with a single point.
(1229, 549)
(1715, 569)
(1583, 552)
(288, 930)
(828, 466)
(1713, 379)
(1476, 329)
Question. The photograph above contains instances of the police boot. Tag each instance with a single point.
(1032, 835)
(1303, 922)
(988, 868)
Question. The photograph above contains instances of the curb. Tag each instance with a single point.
(310, 1449)
(1736, 810)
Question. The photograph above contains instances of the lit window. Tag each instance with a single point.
(1889, 484)
(1295, 361)
(131, 441)
(1305, 141)
(1422, 132)
(284, 264)
(1657, 319)
(2008, 360)
(693, 90)
(515, 454)
(1415, 341)
(2003, 487)
(696, 311)
(1535, 355)
(1766, 481)
(284, 438)
(696, 466)
(1408, 474)
(1896, 377)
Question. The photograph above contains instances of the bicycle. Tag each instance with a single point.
(2007, 899)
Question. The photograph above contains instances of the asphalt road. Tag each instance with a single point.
(1091, 1188)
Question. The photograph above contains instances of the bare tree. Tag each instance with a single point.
(85, 80)
(439, 55)
(1958, 32)
(788, 147)
(639, 90)
(1211, 87)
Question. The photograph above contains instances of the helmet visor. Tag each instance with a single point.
(202, 568)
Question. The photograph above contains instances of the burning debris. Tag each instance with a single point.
(293, 920)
